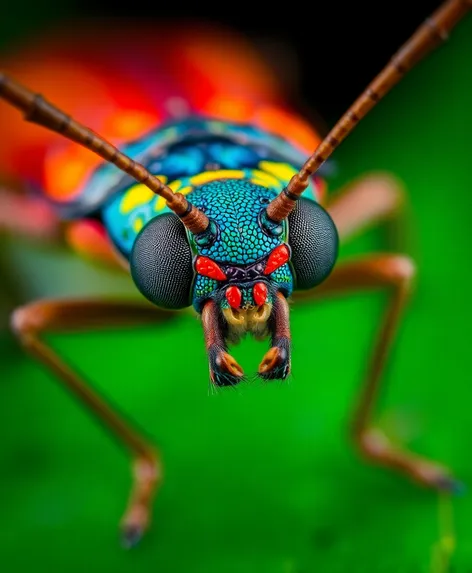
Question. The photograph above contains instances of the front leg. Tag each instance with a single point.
(224, 370)
(276, 363)
(36, 319)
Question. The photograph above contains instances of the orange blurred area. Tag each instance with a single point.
(64, 86)
(67, 165)
(123, 90)
(217, 63)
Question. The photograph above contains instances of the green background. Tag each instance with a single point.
(263, 478)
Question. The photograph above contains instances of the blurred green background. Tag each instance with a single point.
(263, 479)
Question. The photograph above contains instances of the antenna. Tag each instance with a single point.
(431, 33)
(38, 110)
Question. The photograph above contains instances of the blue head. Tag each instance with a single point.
(242, 264)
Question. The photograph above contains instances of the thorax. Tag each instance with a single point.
(216, 151)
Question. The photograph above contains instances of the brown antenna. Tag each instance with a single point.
(37, 110)
(433, 31)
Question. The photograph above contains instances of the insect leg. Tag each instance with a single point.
(370, 200)
(394, 273)
(276, 362)
(367, 201)
(224, 370)
(31, 321)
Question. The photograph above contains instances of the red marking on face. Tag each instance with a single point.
(208, 268)
(233, 296)
(278, 257)
(260, 293)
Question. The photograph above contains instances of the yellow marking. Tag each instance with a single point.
(159, 204)
(186, 190)
(208, 176)
(175, 185)
(260, 182)
(138, 225)
(138, 195)
(270, 180)
(134, 197)
(282, 171)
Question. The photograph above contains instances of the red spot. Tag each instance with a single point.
(233, 296)
(209, 268)
(260, 293)
(278, 257)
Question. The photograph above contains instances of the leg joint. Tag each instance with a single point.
(25, 322)
(147, 468)
(399, 269)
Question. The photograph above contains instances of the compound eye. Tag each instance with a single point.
(278, 257)
(161, 262)
(208, 268)
(313, 239)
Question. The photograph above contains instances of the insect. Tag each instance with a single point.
(206, 210)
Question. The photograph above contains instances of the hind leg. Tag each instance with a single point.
(33, 320)
(365, 202)
(362, 204)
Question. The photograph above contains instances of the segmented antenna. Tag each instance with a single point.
(432, 32)
(38, 110)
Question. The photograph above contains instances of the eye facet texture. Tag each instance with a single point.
(161, 262)
(314, 241)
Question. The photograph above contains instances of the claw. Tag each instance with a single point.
(227, 363)
(134, 525)
(450, 484)
(436, 475)
(270, 360)
(224, 370)
(131, 535)
(275, 364)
